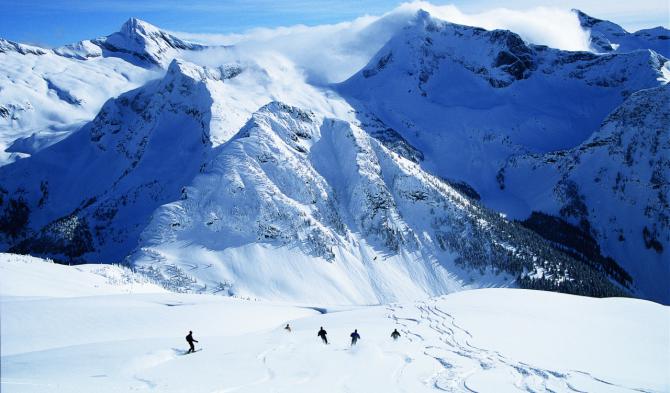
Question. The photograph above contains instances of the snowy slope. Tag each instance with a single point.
(606, 36)
(93, 192)
(484, 340)
(27, 276)
(615, 185)
(301, 207)
(45, 97)
(47, 94)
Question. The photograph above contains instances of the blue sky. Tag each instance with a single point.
(57, 22)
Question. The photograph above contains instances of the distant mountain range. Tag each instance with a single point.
(456, 158)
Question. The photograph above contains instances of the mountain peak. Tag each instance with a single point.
(137, 41)
(280, 107)
(297, 127)
(423, 15)
(585, 20)
(425, 21)
(498, 56)
(144, 44)
(181, 67)
(606, 36)
(137, 27)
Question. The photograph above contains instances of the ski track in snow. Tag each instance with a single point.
(465, 367)
(103, 338)
(464, 364)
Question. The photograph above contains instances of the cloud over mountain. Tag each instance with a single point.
(333, 52)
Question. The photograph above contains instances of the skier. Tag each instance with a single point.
(355, 337)
(322, 333)
(190, 341)
(395, 334)
(287, 328)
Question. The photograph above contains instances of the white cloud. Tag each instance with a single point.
(326, 53)
(331, 53)
(555, 27)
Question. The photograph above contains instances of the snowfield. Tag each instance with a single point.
(83, 329)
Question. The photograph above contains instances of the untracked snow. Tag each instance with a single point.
(28, 276)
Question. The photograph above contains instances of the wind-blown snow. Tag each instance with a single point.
(606, 36)
(483, 340)
(332, 53)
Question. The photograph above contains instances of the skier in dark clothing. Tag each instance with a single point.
(322, 333)
(190, 341)
(355, 337)
(395, 334)
(287, 328)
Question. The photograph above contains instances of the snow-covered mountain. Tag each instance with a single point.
(44, 97)
(470, 99)
(89, 196)
(295, 194)
(292, 184)
(138, 42)
(243, 178)
(615, 186)
(93, 192)
(606, 36)
(46, 94)
(459, 93)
